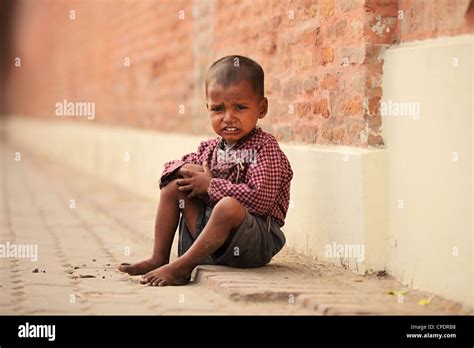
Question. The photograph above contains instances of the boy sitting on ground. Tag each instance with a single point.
(230, 198)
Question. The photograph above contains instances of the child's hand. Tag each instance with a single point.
(196, 182)
(189, 167)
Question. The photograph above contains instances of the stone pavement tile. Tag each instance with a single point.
(29, 221)
(41, 272)
(118, 308)
(138, 227)
(182, 300)
(50, 298)
(32, 234)
(103, 283)
(11, 292)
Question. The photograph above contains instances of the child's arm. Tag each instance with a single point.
(183, 172)
(195, 182)
(172, 169)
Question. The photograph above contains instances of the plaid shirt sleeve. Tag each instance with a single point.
(263, 180)
(172, 167)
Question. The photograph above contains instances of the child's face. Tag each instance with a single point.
(234, 111)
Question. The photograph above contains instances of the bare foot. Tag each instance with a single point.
(168, 274)
(142, 267)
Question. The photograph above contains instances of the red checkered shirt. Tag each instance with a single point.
(254, 171)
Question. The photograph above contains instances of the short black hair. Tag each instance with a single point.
(231, 70)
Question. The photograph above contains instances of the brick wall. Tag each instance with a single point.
(321, 59)
(426, 19)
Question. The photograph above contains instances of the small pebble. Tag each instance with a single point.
(86, 276)
(35, 270)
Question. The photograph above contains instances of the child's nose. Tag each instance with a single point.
(229, 116)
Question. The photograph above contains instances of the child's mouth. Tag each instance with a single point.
(230, 130)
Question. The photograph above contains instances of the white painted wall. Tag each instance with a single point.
(436, 191)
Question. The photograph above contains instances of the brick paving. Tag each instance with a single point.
(84, 227)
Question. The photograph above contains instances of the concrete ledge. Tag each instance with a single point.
(338, 196)
(338, 193)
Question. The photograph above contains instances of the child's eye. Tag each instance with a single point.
(241, 107)
(216, 109)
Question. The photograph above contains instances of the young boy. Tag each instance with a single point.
(232, 194)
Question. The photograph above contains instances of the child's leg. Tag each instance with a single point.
(228, 214)
(166, 222)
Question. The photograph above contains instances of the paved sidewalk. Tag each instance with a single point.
(84, 227)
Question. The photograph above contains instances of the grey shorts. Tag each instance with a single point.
(252, 244)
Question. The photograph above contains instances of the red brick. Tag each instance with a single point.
(341, 27)
(303, 108)
(348, 5)
(283, 132)
(384, 8)
(357, 83)
(310, 84)
(320, 107)
(374, 105)
(327, 8)
(354, 54)
(327, 55)
(309, 132)
(355, 127)
(330, 82)
(374, 122)
(374, 92)
(292, 88)
(375, 140)
(352, 107)
(333, 135)
(380, 30)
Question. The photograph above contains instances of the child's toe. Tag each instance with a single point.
(156, 282)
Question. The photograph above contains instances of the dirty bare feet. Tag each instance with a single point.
(169, 274)
(142, 267)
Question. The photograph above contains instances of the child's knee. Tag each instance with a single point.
(171, 188)
(229, 209)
